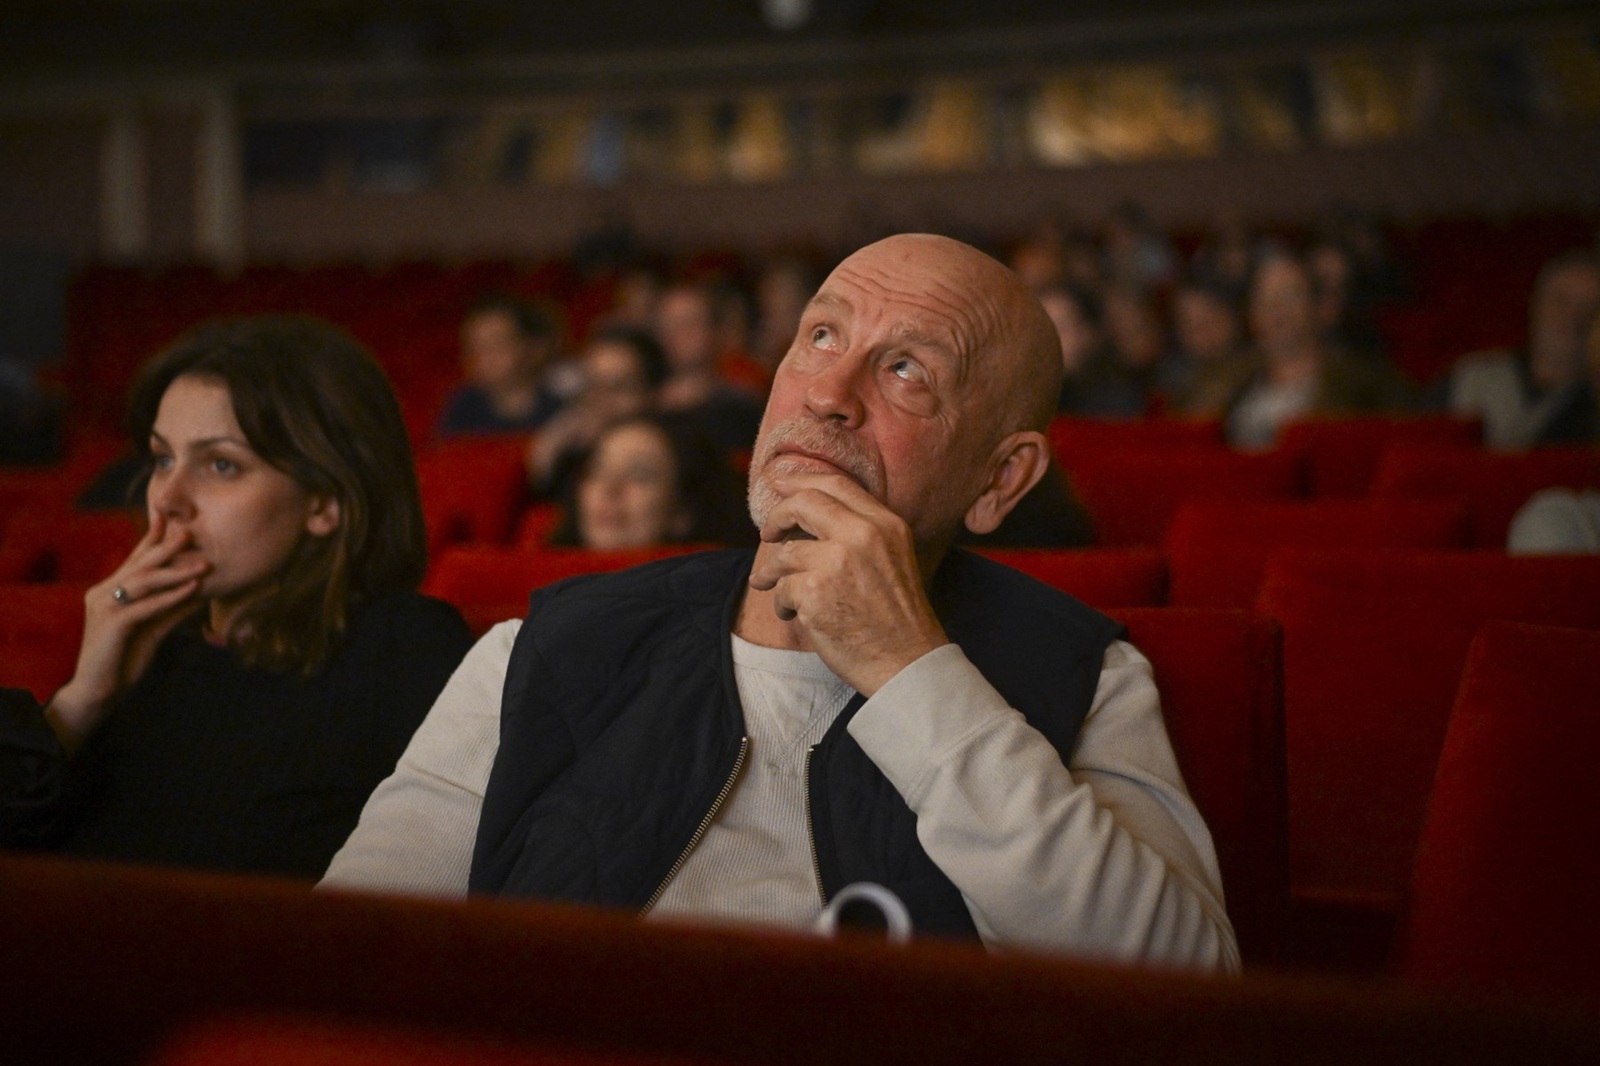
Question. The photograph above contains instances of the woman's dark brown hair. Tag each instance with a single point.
(316, 405)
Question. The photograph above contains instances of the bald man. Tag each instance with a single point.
(737, 736)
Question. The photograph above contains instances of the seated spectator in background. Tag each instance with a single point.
(733, 312)
(261, 658)
(622, 370)
(1137, 337)
(650, 481)
(1354, 277)
(506, 346)
(784, 286)
(1093, 384)
(1291, 371)
(1137, 252)
(736, 736)
(1556, 522)
(686, 326)
(1526, 396)
(1207, 329)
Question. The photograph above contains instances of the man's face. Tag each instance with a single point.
(879, 384)
(494, 352)
(1563, 306)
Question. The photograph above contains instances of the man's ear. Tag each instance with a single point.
(1020, 461)
(322, 517)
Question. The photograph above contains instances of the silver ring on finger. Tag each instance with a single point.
(120, 594)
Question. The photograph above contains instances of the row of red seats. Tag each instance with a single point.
(1132, 476)
(1313, 768)
(186, 968)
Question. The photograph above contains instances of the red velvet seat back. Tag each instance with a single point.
(473, 489)
(1070, 436)
(1494, 484)
(114, 961)
(1133, 495)
(1503, 891)
(490, 584)
(1374, 644)
(41, 626)
(59, 544)
(1220, 676)
(1342, 453)
(1100, 577)
(1217, 550)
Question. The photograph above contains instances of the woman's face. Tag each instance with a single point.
(628, 496)
(243, 516)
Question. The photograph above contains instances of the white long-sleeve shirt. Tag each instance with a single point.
(1103, 857)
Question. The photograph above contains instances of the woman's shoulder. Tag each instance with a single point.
(407, 617)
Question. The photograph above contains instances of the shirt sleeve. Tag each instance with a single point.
(417, 830)
(1104, 857)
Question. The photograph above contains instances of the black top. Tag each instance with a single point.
(207, 764)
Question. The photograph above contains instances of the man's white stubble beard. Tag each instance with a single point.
(820, 438)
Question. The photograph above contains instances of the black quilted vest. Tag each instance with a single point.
(621, 724)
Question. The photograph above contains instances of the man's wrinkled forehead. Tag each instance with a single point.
(912, 306)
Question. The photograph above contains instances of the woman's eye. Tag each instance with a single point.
(224, 466)
(160, 462)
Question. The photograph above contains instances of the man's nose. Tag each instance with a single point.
(834, 392)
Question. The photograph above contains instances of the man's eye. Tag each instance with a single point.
(904, 369)
(821, 337)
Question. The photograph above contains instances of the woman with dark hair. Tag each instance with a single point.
(654, 480)
(259, 661)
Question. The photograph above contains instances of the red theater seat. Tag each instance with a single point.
(1374, 643)
(1071, 435)
(1132, 496)
(1342, 453)
(1502, 896)
(1220, 676)
(490, 584)
(1494, 484)
(156, 953)
(40, 629)
(1217, 550)
(473, 489)
(1100, 577)
(63, 545)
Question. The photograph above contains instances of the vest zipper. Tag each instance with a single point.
(811, 834)
(700, 830)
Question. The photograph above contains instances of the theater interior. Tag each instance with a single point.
(1382, 711)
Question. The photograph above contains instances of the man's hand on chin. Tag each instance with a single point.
(843, 567)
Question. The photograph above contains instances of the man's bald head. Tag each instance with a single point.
(925, 371)
(1016, 356)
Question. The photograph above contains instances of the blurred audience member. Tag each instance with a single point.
(733, 315)
(1291, 370)
(1137, 252)
(1535, 394)
(783, 289)
(654, 480)
(622, 369)
(1093, 384)
(1556, 522)
(686, 326)
(1137, 338)
(506, 345)
(1208, 329)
